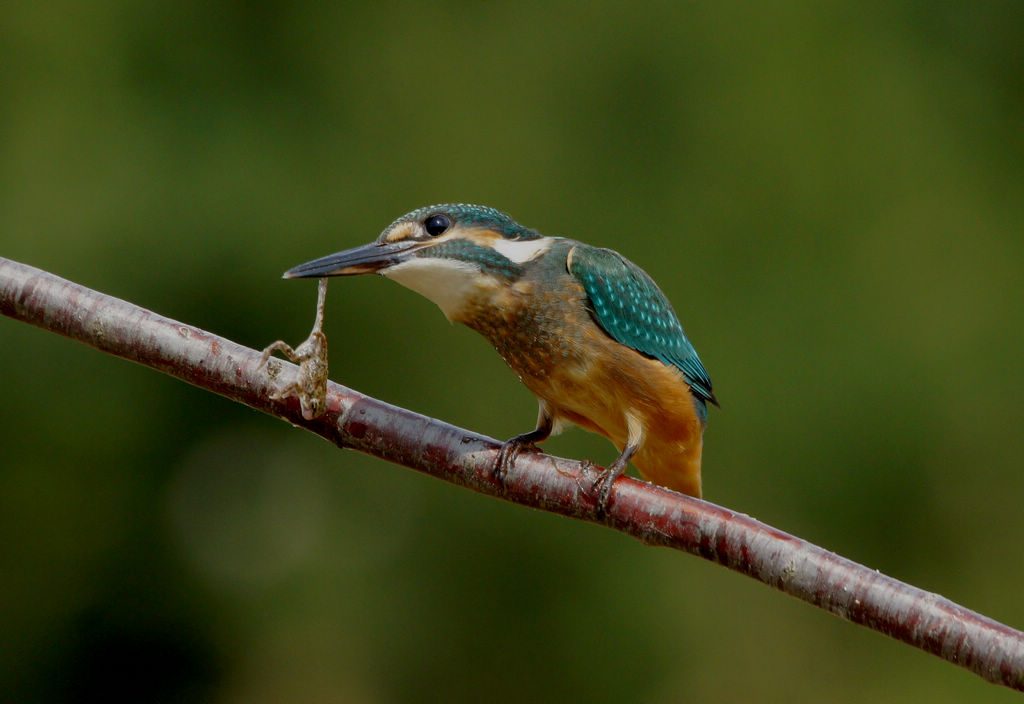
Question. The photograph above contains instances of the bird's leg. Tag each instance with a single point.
(510, 449)
(604, 482)
(311, 384)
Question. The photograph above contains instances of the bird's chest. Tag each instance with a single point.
(537, 331)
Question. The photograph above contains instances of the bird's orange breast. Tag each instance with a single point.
(584, 376)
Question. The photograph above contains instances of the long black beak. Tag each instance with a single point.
(367, 259)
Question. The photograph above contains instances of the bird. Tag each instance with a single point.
(588, 332)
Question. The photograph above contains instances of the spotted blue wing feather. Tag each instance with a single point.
(630, 307)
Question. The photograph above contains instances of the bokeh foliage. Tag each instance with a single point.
(831, 194)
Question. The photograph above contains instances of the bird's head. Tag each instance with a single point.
(447, 253)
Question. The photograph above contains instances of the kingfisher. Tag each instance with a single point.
(586, 330)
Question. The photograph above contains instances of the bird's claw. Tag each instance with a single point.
(602, 486)
(507, 456)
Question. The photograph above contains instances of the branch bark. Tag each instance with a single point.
(651, 514)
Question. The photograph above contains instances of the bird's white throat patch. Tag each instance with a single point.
(448, 283)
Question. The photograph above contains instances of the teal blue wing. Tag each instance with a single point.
(630, 307)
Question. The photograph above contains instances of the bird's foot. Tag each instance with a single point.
(602, 486)
(509, 453)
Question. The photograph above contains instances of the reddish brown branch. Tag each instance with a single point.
(653, 515)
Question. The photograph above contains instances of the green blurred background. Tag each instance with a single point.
(830, 193)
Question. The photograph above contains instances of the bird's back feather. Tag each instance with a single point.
(627, 304)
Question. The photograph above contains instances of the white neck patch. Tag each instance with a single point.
(448, 283)
(522, 251)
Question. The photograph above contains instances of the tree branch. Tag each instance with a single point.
(653, 515)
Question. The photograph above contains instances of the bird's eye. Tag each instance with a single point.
(437, 225)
